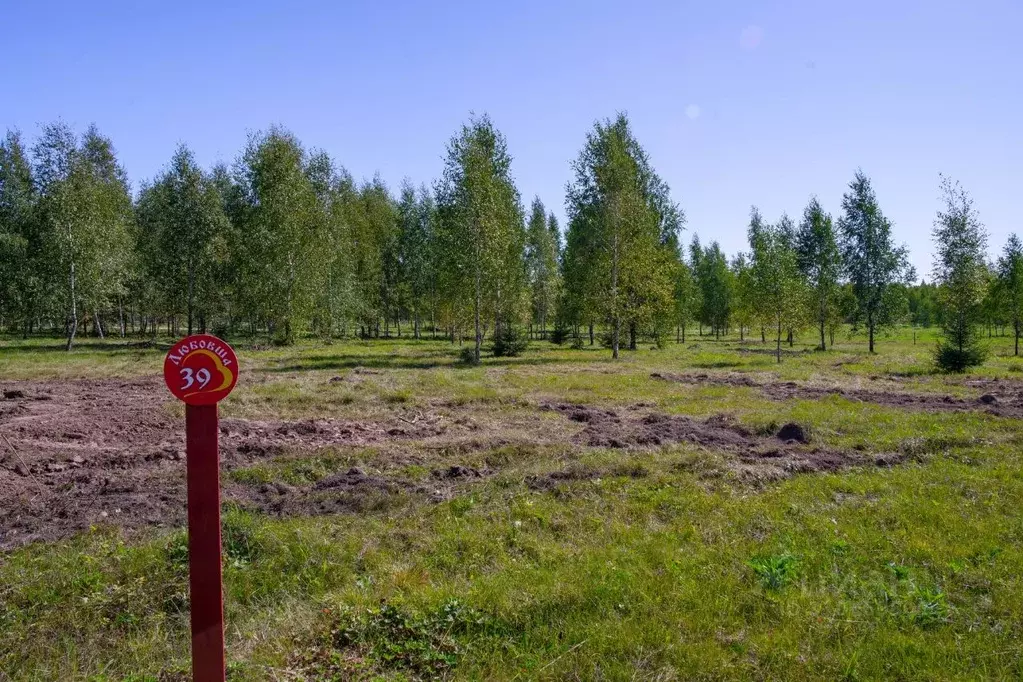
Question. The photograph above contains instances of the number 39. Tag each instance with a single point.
(202, 376)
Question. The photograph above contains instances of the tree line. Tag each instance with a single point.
(285, 242)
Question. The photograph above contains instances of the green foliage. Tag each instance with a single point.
(393, 639)
(717, 286)
(774, 571)
(85, 215)
(687, 296)
(622, 234)
(467, 356)
(417, 253)
(509, 341)
(960, 272)
(872, 262)
(949, 357)
(280, 261)
(777, 289)
(336, 303)
(542, 253)
(182, 240)
(481, 237)
(22, 255)
(820, 264)
(1010, 285)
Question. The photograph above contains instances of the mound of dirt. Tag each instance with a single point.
(793, 432)
(456, 472)
(556, 478)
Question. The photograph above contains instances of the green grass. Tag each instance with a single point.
(661, 567)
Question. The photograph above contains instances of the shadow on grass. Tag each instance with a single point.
(718, 364)
(446, 360)
(93, 345)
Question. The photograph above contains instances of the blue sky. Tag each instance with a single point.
(737, 102)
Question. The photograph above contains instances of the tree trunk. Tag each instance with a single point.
(476, 314)
(614, 339)
(99, 324)
(191, 294)
(763, 335)
(74, 308)
(678, 334)
(632, 336)
(683, 333)
(870, 333)
(823, 345)
(591, 333)
(777, 351)
(790, 338)
(120, 315)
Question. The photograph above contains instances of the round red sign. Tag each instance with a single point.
(200, 369)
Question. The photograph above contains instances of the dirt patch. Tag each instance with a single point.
(1000, 400)
(79, 453)
(351, 491)
(753, 455)
(581, 473)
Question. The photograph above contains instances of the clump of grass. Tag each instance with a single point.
(774, 571)
(393, 639)
(398, 397)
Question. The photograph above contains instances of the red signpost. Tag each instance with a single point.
(201, 370)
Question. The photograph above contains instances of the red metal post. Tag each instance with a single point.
(204, 578)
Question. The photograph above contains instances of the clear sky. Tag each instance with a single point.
(737, 102)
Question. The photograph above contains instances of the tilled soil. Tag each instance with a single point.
(79, 453)
(1001, 399)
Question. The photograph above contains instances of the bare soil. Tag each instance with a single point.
(74, 454)
(999, 398)
(787, 451)
(79, 453)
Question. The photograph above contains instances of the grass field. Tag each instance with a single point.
(534, 518)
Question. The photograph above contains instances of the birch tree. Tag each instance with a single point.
(820, 264)
(874, 265)
(1010, 281)
(621, 219)
(542, 265)
(480, 226)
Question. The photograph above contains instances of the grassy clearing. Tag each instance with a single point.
(661, 565)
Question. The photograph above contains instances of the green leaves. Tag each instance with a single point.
(960, 271)
(481, 238)
(182, 231)
(873, 264)
(622, 245)
(820, 263)
(775, 280)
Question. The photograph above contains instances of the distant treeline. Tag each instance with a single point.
(285, 242)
